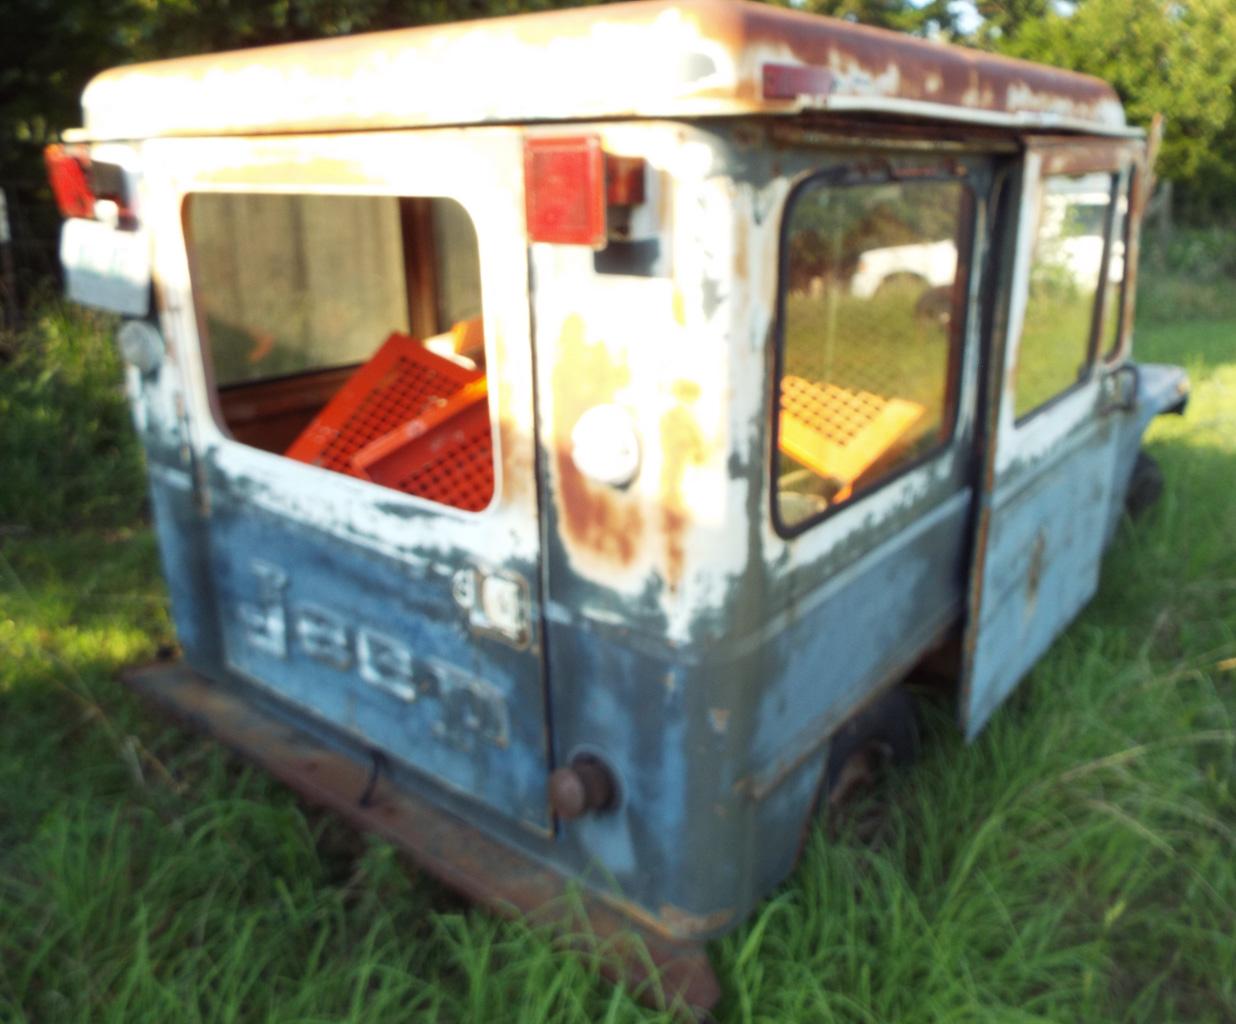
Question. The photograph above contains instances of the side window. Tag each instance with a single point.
(345, 332)
(1065, 277)
(1113, 299)
(872, 293)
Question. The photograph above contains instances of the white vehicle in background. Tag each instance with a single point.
(1071, 237)
(1071, 234)
(934, 263)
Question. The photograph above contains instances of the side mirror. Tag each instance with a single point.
(1118, 389)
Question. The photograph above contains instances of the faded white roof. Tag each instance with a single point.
(695, 58)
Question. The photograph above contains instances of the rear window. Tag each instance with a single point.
(346, 332)
(872, 296)
(288, 283)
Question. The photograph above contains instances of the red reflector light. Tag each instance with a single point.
(564, 189)
(69, 184)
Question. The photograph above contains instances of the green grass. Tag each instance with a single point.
(67, 455)
(1077, 863)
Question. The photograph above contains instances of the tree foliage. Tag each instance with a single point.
(175, 27)
(926, 17)
(1003, 19)
(50, 49)
(1162, 56)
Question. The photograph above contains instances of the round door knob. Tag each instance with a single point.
(582, 786)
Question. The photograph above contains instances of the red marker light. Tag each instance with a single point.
(564, 183)
(67, 175)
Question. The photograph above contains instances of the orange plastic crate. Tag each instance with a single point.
(400, 382)
(839, 433)
(445, 455)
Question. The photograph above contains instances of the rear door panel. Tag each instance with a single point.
(369, 609)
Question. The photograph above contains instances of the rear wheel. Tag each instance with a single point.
(1145, 486)
(881, 734)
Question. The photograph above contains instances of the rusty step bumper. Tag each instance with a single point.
(660, 972)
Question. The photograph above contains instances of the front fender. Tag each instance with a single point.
(1159, 389)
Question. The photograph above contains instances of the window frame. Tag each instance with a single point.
(852, 175)
(1096, 310)
(1117, 351)
(415, 244)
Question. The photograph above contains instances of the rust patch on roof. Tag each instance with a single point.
(916, 69)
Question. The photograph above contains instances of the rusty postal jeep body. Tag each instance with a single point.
(562, 428)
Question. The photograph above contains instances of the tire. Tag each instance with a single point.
(935, 306)
(883, 733)
(1145, 486)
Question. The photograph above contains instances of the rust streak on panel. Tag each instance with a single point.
(597, 518)
(516, 448)
(518, 473)
(682, 445)
(742, 230)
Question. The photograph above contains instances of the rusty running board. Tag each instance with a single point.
(659, 971)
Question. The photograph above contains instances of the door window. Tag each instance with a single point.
(346, 332)
(872, 294)
(1066, 272)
